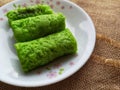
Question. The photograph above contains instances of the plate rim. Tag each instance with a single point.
(85, 57)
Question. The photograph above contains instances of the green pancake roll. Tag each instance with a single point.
(35, 27)
(29, 11)
(42, 51)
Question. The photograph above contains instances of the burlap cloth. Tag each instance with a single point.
(102, 71)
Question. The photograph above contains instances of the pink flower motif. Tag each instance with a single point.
(37, 1)
(24, 5)
(62, 7)
(58, 2)
(1, 19)
(71, 63)
(52, 74)
(5, 10)
(52, 6)
(47, 2)
(58, 65)
(31, 1)
(70, 7)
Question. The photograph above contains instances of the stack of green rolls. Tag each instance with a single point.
(41, 37)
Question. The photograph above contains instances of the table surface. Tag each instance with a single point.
(102, 71)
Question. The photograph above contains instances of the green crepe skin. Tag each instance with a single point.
(35, 27)
(29, 11)
(41, 51)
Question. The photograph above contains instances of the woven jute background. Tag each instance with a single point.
(102, 71)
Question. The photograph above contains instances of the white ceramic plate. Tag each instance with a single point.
(82, 28)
